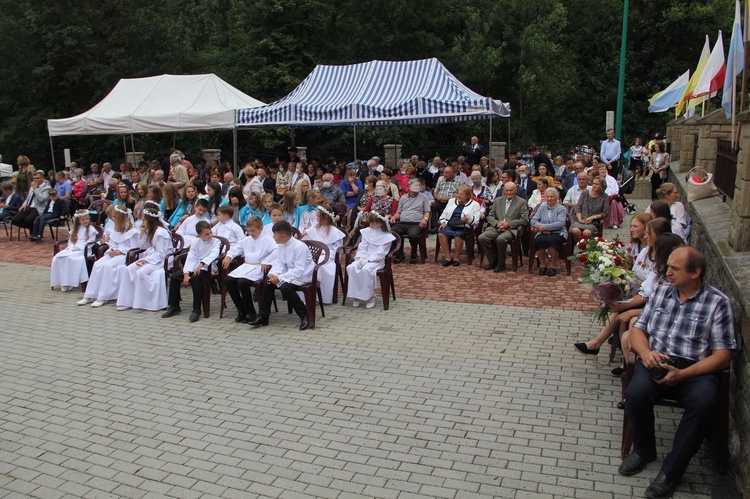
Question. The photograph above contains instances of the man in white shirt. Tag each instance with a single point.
(574, 193)
(610, 153)
(106, 174)
(226, 227)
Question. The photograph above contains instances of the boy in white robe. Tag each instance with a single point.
(202, 254)
(292, 268)
(258, 251)
(276, 213)
(187, 227)
(226, 227)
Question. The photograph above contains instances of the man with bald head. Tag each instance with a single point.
(331, 191)
(473, 151)
(684, 338)
(506, 215)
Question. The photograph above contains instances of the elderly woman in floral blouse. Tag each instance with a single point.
(549, 224)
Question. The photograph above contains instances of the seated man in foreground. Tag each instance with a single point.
(506, 215)
(691, 337)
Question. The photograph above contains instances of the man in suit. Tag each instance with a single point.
(228, 177)
(9, 202)
(507, 214)
(473, 151)
(526, 186)
(54, 209)
(266, 181)
(36, 201)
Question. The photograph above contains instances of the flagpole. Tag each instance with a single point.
(746, 43)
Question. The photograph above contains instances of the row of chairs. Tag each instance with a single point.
(65, 219)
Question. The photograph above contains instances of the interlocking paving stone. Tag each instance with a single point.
(429, 399)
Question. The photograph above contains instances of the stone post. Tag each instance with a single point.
(497, 152)
(212, 154)
(739, 234)
(392, 154)
(675, 131)
(134, 158)
(712, 127)
(301, 152)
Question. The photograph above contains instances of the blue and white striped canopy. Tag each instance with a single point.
(376, 93)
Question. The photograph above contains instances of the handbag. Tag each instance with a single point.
(700, 190)
(459, 225)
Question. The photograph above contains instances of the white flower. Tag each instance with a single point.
(602, 267)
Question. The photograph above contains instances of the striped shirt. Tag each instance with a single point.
(690, 330)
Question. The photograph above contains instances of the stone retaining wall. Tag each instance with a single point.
(728, 271)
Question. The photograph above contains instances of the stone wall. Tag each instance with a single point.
(728, 271)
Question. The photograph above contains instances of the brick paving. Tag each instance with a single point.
(430, 399)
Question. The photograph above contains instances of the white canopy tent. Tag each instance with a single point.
(159, 104)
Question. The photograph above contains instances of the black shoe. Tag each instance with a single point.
(240, 318)
(447, 263)
(581, 347)
(543, 271)
(398, 258)
(413, 260)
(661, 487)
(456, 263)
(621, 405)
(551, 272)
(170, 312)
(634, 464)
(490, 266)
(617, 371)
(304, 323)
(215, 288)
(259, 321)
(195, 315)
(501, 269)
(249, 318)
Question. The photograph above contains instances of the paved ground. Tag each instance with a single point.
(432, 399)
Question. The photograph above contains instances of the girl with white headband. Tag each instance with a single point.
(371, 252)
(106, 274)
(69, 265)
(143, 285)
(326, 232)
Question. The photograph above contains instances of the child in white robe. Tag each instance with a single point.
(327, 233)
(258, 251)
(187, 227)
(373, 248)
(104, 282)
(226, 227)
(143, 285)
(69, 265)
(276, 213)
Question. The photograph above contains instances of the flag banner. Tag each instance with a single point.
(712, 78)
(735, 61)
(705, 53)
(670, 96)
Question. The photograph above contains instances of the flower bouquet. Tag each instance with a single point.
(602, 269)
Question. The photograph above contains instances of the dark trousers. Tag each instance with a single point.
(40, 223)
(288, 291)
(241, 292)
(697, 395)
(196, 284)
(25, 218)
(436, 209)
(656, 182)
(410, 230)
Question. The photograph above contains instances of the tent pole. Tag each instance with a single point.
(293, 138)
(234, 137)
(132, 147)
(508, 142)
(52, 150)
(355, 142)
(125, 147)
(200, 141)
(490, 144)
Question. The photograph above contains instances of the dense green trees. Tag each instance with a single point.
(555, 61)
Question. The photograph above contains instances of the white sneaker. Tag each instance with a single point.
(355, 303)
(370, 303)
(121, 308)
(64, 288)
(98, 303)
(84, 301)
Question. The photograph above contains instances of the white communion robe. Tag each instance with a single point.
(256, 252)
(145, 287)
(327, 273)
(69, 265)
(106, 275)
(362, 272)
(229, 230)
(187, 229)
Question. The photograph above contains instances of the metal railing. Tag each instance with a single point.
(726, 168)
